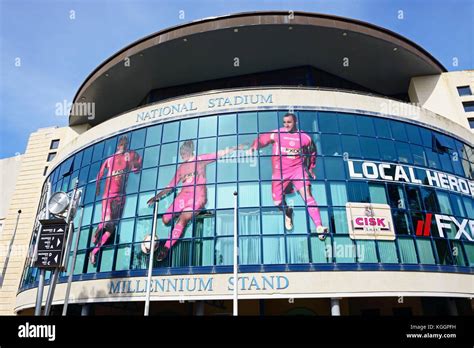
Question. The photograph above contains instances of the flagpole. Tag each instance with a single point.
(236, 252)
(150, 262)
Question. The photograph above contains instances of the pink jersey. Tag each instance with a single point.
(292, 148)
(118, 166)
(191, 173)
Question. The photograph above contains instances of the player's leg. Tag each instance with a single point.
(178, 230)
(313, 210)
(93, 255)
(105, 216)
(278, 189)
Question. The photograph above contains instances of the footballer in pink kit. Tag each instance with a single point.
(118, 167)
(193, 195)
(293, 168)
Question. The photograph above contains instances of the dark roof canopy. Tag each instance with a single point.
(378, 59)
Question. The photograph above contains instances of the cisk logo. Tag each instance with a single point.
(369, 221)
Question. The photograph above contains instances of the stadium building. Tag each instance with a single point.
(350, 148)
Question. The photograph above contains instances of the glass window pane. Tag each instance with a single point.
(350, 145)
(419, 156)
(267, 121)
(227, 124)
(396, 196)
(208, 126)
(110, 147)
(148, 179)
(169, 154)
(377, 193)
(166, 174)
(308, 121)
(123, 258)
(344, 249)
(274, 250)
(226, 171)
(98, 150)
(406, 247)
(347, 124)
(225, 195)
(126, 231)
(425, 251)
(129, 206)
(153, 135)
(328, 122)
(318, 189)
(249, 221)
(430, 201)
(203, 252)
(458, 207)
(339, 220)
(170, 132)
(150, 157)
(319, 250)
(249, 194)
(224, 251)
(334, 168)
(272, 221)
(358, 192)
(143, 207)
(366, 252)
(86, 158)
(249, 248)
(365, 126)
(387, 150)
(247, 122)
(382, 127)
(331, 145)
(398, 130)
(107, 259)
(206, 146)
(413, 134)
(298, 249)
(414, 198)
(369, 148)
(444, 204)
(387, 252)
(143, 227)
(338, 193)
(138, 139)
(404, 152)
(188, 129)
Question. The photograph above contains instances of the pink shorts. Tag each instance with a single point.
(289, 181)
(184, 201)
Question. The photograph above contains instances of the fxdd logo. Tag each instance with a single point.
(423, 227)
(37, 331)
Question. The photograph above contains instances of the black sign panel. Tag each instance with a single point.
(51, 243)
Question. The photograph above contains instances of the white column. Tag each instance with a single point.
(335, 307)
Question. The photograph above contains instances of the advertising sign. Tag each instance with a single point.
(370, 221)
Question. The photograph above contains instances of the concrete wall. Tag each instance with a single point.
(9, 170)
(439, 94)
(25, 197)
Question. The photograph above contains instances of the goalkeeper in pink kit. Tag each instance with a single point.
(118, 167)
(290, 173)
(193, 195)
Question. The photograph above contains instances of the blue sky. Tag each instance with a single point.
(56, 53)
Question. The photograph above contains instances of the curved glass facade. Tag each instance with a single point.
(203, 239)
